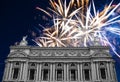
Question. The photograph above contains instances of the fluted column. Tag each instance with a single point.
(10, 71)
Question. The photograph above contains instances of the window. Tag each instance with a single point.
(73, 75)
(59, 75)
(32, 74)
(73, 72)
(45, 74)
(15, 73)
(102, 70)
(45, 71)
(16, 69)
(59, 72)
(86, 71)
(32, 71)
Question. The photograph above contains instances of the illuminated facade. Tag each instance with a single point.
(35, 64)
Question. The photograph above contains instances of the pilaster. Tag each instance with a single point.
(7, 65)
(10, 71)
(21, 71)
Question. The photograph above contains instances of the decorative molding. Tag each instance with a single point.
(17, 54)
(36, 51)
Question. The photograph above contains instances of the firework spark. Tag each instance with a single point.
(75, 25)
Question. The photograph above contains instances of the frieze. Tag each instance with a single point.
(72, 53)
(62, 52)
(59, 53)
(46, 53)
(35, 53)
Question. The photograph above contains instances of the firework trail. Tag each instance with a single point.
(75, 25)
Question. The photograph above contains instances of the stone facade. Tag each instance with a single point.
(35, 64)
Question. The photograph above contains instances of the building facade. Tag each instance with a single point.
(35, 64)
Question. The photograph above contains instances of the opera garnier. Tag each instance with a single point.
(39, 64)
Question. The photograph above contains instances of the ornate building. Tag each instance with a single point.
(35, 64)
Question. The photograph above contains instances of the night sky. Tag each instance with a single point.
(20, 17)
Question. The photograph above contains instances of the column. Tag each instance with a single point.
(40, 72)
(68, 72)
(62, 74)
(111, 71)
(6, 71)
(65, 72)
(10, 71)
(93, 71)
(114, 71)
(21, 69)
(37, 72)
(108, 71)
(25, 71)
(76, 75)
(51, 65)
(97, 69)
(78, 68)
(81, 72)
(53, 72)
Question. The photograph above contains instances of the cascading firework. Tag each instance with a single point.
(74, 25)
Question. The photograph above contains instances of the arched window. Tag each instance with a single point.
(59, 72)
(102, 69)
(86, 71)
(73, 72)
(45, 72)
(16, 70)
(32, 71)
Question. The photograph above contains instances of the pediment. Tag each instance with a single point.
(101, 55)
(17, 54)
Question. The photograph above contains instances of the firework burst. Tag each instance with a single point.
(75, 25)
